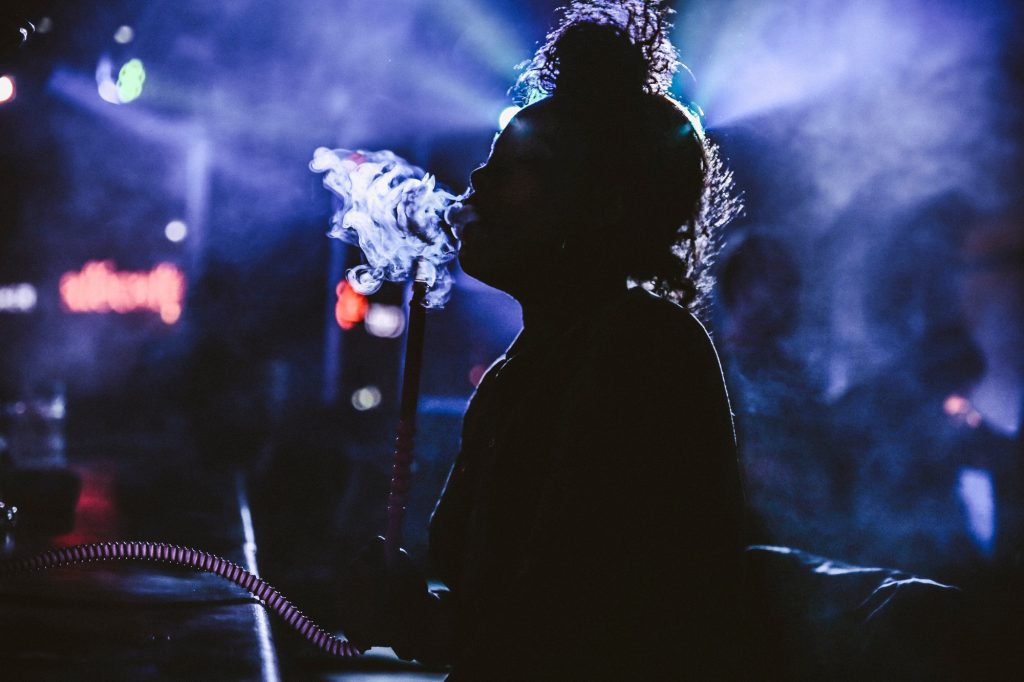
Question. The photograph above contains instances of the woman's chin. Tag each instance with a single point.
(477, 266)
(470, 264)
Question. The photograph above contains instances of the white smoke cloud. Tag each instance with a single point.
(395, 213)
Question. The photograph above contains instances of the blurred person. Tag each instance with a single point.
(590, 527)
(902, 448)
(777, 402)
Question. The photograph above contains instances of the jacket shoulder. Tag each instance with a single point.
(653, 327)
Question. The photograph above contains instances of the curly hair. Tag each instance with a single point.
(618, 53)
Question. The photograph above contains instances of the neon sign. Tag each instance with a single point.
(99, 288)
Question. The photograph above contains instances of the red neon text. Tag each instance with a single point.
(98, 288)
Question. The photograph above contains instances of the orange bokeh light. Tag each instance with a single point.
(351, 306)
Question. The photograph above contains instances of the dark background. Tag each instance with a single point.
(869, 312)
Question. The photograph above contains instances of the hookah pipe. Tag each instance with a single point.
(401, 473)
(263, 591)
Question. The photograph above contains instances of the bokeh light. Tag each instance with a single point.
(124, 35)
(176, 231)
(170, 312)
(7, 90)
(18, 298)
(385, 321)
(350, 307)
(366, 398)
(130, 80)
(108, 92)
(978, 497)
(105, 84)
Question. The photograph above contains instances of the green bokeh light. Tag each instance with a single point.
(130, 80)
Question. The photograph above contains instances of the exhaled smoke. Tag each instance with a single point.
(395, 213)
(459, 215)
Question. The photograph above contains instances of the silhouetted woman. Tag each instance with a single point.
(590, 527)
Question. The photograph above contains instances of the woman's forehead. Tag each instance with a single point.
(530, 134)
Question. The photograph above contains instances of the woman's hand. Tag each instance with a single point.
(383, 602)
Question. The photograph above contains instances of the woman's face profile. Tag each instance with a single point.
(521, 200)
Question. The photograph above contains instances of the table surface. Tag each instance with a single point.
(137, 621)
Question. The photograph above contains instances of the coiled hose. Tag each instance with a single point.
(270, 597)
(193, 558)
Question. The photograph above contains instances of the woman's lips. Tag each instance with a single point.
(467, 232)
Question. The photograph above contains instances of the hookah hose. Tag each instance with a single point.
(192, 558)
(270, 597)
